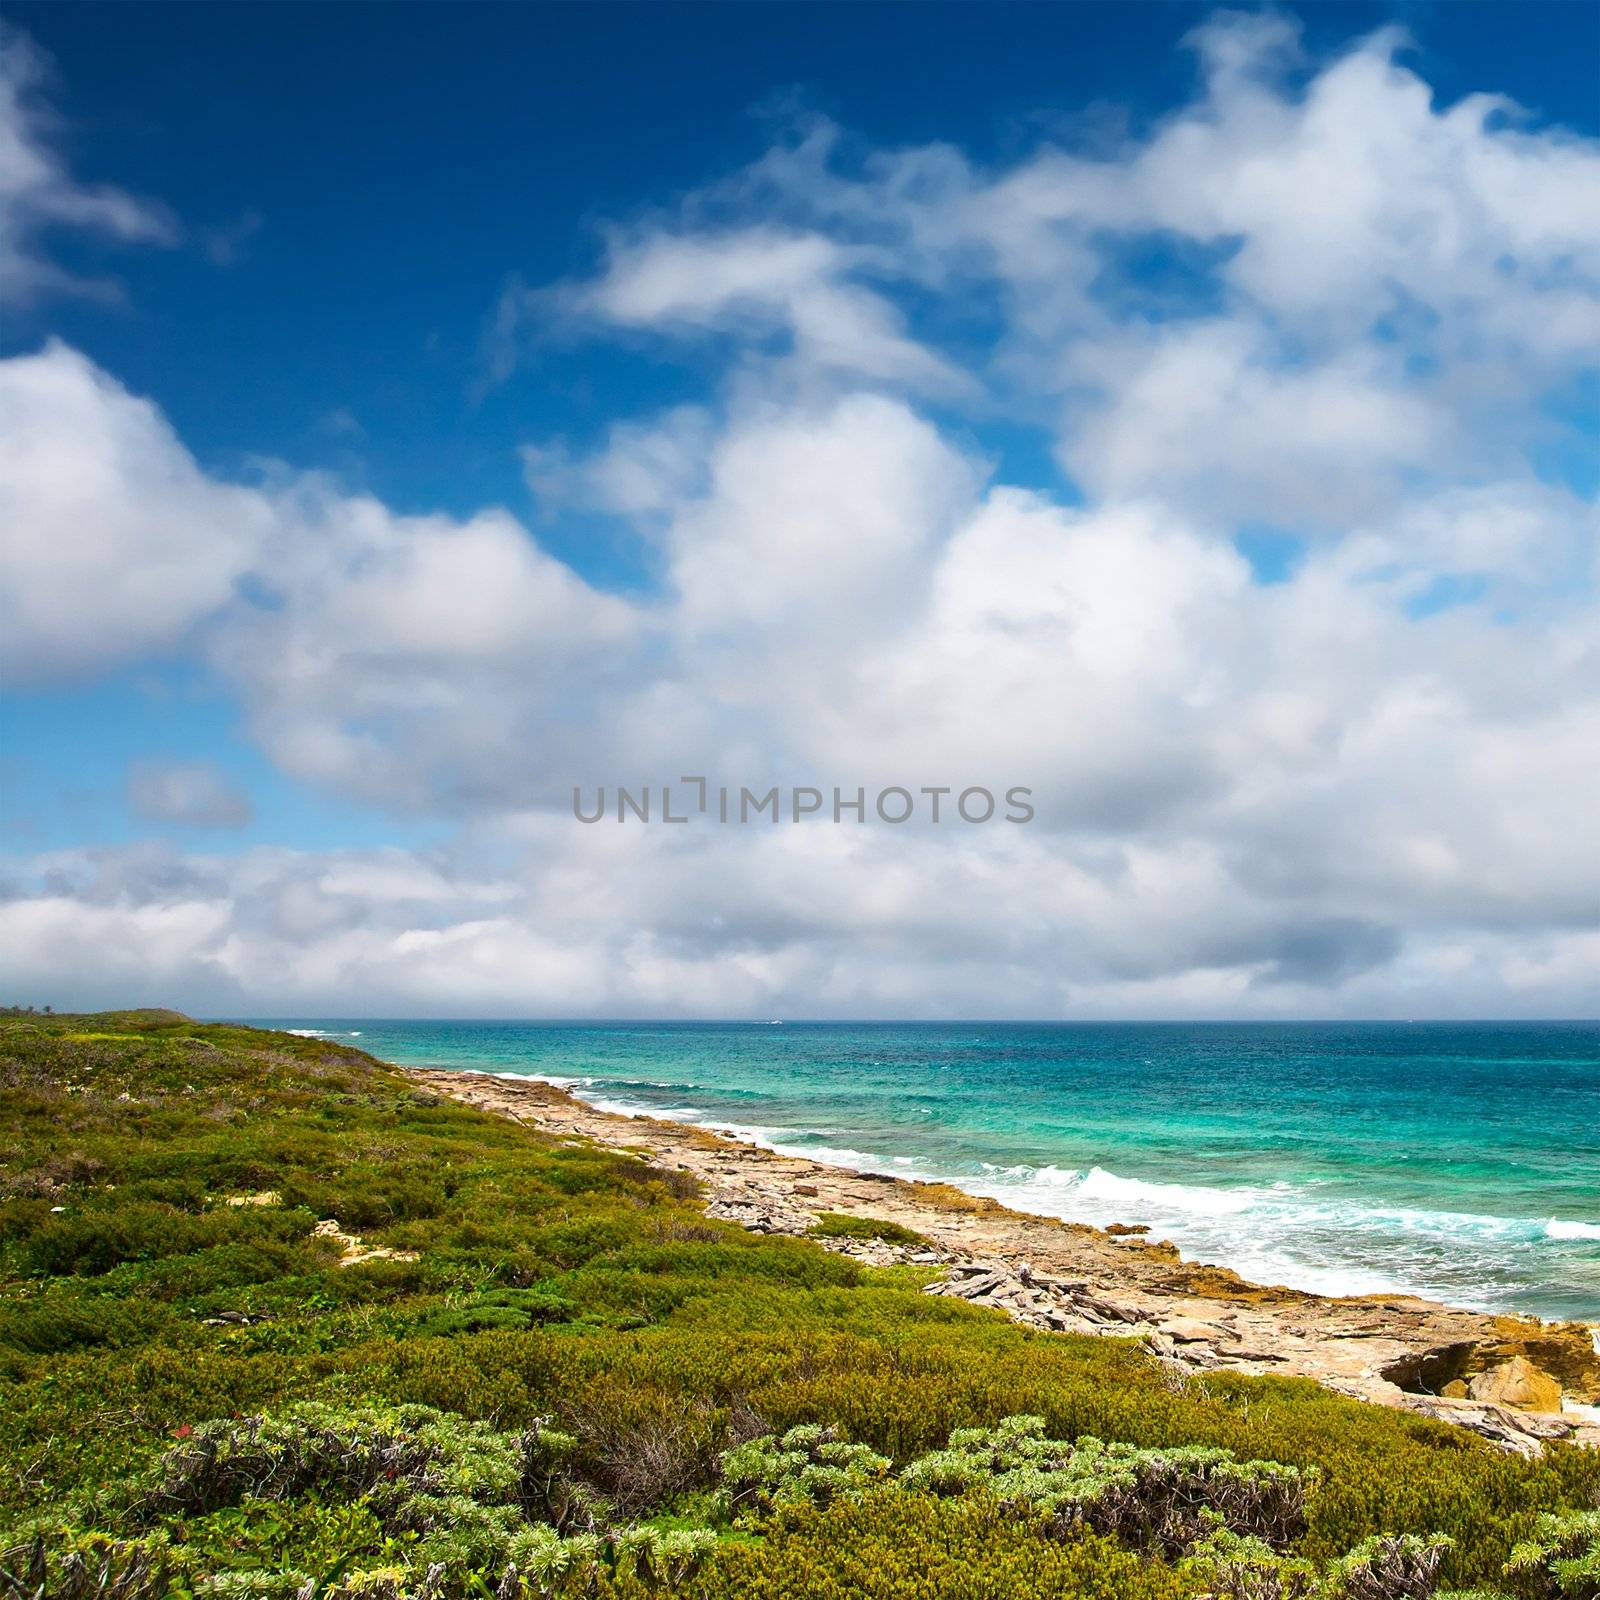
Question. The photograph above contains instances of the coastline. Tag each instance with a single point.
(1495, 1374)
(1338, 1159)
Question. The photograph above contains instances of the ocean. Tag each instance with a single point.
(1457, 1161)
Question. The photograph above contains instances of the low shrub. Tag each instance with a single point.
(891, 1545)
(1389, 1567)
(500, 1308)
(1385, 1567)
(1160, 1501)
(809, 1465)
(1562, 1559)
(94, 1569)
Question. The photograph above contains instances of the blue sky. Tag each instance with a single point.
(426, 262)
(378, 172)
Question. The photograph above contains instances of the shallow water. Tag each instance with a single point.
(1459, 1161)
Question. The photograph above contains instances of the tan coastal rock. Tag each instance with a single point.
(353, 1249)
(1518, 1383)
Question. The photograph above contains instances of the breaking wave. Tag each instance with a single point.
(1557, 1228)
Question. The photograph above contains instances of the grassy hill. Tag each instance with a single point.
(275, 1321)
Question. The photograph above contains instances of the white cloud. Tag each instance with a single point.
(115, 542)
(412, 658)
(753, 282)
(1376, 284)
(772, 921)
(818, 523)
(644, 468)
(360, 637)
(1362, 189)
(38, 193)
(1247, 796)
(1206, 415)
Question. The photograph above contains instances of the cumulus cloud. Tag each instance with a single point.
(353, 631)
(1210, 416)
(418, 660)
(1366, 282)
(38, 193)
(116, 543)
(1363, 789)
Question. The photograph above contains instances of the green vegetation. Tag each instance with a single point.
(1563, 1556)
(506, 1365)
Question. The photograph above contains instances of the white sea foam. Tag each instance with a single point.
(1100, 1187)
(526, 1077)
(618, 1108)
(1559, 1228)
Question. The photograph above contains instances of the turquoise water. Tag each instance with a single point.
(1460, 1161)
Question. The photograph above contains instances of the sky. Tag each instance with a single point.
(411, 414)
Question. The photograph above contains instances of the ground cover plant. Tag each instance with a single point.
(277, 1319)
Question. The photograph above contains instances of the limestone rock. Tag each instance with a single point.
(1191, 1330)
(1515, 1431)
(353, 1249)
(760, 1210)
(1518, 1383)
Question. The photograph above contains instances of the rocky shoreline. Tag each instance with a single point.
(1516, 1381)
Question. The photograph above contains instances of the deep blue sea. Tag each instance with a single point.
(1459, 1161)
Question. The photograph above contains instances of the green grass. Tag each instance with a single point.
(563, 1281)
